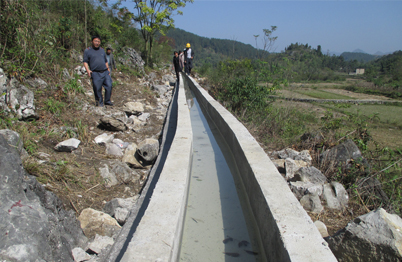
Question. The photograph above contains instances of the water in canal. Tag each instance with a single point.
(218, 222)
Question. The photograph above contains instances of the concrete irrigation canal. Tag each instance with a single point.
(214, 195)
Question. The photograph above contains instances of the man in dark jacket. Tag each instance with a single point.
(97, 67)
(110, 60)
(176, 65)
(188, 59)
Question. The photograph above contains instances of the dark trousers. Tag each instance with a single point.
(99, 80)
(189, 65)
(178, 76)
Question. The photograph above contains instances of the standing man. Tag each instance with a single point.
(96, 64)
(188, 58)
(181, 60)
(176, 65)
(110, 60)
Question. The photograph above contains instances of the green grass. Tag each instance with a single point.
(386, 113)
(320, 94)
(54, 106)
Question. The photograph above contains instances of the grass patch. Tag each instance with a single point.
(320, 94)
(389, 114)
(53, 106)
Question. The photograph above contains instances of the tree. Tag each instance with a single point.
(155, 16)
(269, 40)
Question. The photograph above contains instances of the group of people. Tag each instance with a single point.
(99, 65)
(183, 60)
(99, 68)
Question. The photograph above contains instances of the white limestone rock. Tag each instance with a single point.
(68, 145)
(104, 139)
(375, 236)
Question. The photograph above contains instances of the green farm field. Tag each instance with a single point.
(385, 125)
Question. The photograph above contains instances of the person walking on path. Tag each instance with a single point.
(188, 56)
(181, 60)
(110, 60)
(97, 67)
(176, 65)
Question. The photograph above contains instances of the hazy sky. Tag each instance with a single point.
(337, 26)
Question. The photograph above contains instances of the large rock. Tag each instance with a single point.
(112, 124)
(309, 174)
(79, 254)
(292, 166)
(14, 140)
(68, 145)
(130, 156)
(34, 224)
(311, 203)
(99, 243)
(104, 139)
(132, 59)
(300, 188)
(322, 228)
(96, 222)
(160, 89)
(119, 208)
(115, 172)
(20, 100)
(144, 117)
(304, 156)
(169, 79)
(133, 108)
(342, 154)
(3, 81)
(36, 82)
(148, 149)
(286, 153)
(76, 56)
(375, 236)
(289, 153)
(113, 149)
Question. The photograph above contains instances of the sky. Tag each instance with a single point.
(338, 26)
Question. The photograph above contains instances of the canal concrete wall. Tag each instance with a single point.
(157, 236)
(286, 230)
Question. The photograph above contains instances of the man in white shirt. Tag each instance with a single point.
(188, 56)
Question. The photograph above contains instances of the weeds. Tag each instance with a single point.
(83, 133)
(53, 106)
(73, 87)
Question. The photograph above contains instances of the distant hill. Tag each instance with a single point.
(378, 53)
(359, 56)
(211, 50)
(358, 51)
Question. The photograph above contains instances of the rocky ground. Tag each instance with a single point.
(96, 160)
(75, 176)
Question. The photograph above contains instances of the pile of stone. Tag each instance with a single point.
(131, 58)
(375, 236)
(307, 182)
(16, 98)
